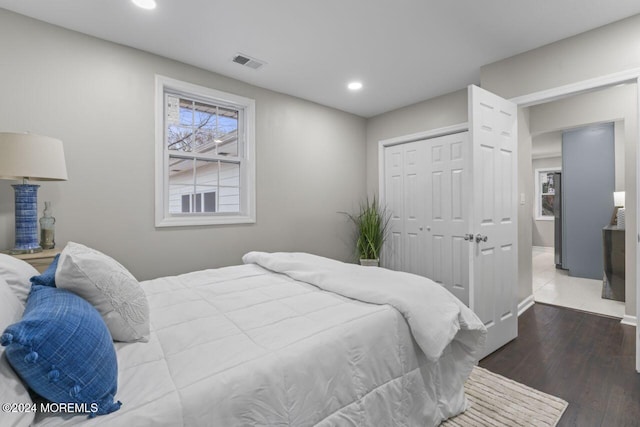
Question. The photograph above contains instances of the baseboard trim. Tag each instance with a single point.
(525, 304)
(629, 320)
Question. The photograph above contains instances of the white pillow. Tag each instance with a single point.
(17, 273)
(11, 388)
(109, 287)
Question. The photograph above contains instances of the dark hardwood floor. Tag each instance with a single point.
(585, 359)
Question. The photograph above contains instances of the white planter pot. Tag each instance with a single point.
(370, 262)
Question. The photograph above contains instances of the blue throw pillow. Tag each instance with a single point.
(48, 278)
(63, 350)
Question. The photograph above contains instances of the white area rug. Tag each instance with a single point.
(499, 401)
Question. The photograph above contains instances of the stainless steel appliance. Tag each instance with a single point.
(557, 214)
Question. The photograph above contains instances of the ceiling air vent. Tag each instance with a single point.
(247, 61)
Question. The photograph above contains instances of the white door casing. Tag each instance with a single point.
(494, 259)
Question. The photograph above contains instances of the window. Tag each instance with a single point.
(545, 193)
(205, 156)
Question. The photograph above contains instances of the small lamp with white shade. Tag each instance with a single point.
(618, 209)
(25, 156)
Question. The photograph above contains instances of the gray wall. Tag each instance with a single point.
(599, 52)
(98, 98)
(605, 50)
(543, 230)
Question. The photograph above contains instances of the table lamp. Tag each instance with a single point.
(27, 156)
(618, 202)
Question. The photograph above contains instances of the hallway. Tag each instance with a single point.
(556, 287)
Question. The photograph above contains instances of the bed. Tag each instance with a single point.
(291, 339)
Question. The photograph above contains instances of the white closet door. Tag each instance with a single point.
(404, 189)
(493, 127)
(394, 201)
(414, 208)
(448, 212)
(427, 190)
(445, 189)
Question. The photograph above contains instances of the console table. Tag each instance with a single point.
(613, 251)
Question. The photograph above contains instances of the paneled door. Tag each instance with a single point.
(453, 200)
(494, 275)
(427, 192)
(405, 184)
(447, 194)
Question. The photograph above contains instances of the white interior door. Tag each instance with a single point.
(493, 129)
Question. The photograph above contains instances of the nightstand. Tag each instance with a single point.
(39, 260)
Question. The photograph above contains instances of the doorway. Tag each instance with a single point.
(591, 128)
(632, 160)
(573, 207)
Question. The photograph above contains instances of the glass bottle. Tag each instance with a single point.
(47, 228)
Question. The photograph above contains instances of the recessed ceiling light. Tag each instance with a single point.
(145, 4)
(354, 86)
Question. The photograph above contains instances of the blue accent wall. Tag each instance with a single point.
(588, 179)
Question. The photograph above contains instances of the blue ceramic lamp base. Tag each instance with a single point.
(26, 219)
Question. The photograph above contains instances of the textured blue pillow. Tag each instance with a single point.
(48, 278)
(63, 350)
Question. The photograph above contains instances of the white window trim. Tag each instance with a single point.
(539, 216)
(247, 173)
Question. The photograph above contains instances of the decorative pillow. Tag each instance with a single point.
(109, 287)
(17, 274)
(48, 278)
(63, 350)
(11, 388)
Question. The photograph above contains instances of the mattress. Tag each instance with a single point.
(250, 345)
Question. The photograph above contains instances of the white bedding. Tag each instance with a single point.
(249, 346)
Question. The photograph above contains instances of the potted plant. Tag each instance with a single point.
(371, 231)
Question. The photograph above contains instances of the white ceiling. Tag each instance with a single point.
(403, 51)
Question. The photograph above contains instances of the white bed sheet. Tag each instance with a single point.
(244, 346)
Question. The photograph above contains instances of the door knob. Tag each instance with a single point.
(468, 237)
(481, 238)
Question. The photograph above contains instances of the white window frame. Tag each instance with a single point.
(538, 192)
(247, 214)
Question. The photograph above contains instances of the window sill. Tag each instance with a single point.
(204, 220)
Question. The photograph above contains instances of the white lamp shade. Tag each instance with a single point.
(618, 198)
(35, 157)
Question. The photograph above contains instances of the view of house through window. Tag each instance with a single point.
(197, 131)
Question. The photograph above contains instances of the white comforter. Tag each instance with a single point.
(434, 316)
(263, 345)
